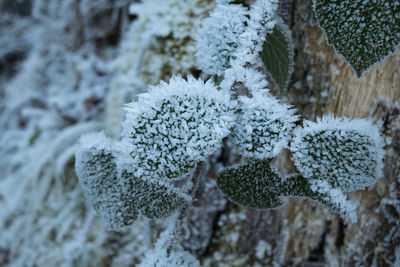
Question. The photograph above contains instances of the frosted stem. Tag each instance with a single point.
(198, 172)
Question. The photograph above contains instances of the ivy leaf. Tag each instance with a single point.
(364, 32)
(247, 184)
(152, 197)
(95, 164)
(277, 55)
(317, 190)
(346, 153)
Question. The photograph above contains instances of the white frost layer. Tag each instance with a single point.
(176, 125)
(263, 126)
(347, 152)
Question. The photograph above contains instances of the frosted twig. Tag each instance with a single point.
(198, 172)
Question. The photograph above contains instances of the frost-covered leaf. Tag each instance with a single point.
(176, 258)
(218, 38)
(152, 197)
(346, 153)
(364, 32)
(176, 125)
(277, 55)
(317, 190)
(263, 126)
(95, 165)
(247, 184)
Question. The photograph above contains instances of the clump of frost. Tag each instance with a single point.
(246, 59)
(263, 126)
(262, 20)
(347, 153)
(218, 38)
(95, 164)
(176, 258)
(176, 125)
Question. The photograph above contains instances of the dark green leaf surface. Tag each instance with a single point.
(97, 172)
(277, 55)
(293, 186)
(364, 32)
(345, 158)
(153, 198)
(247, 184)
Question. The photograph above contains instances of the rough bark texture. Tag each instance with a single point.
(304, 233)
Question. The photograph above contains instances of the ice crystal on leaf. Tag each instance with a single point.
(96, 168)
(176, 125)
(218, 38)
(247, 184)
(296, 185)
(263, 126)
(364, 32)
(346, 153)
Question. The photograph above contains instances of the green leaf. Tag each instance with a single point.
(95, 166)
(318, 190)
(175, 125)
(277, 55)
(364, 32)
(153, 198)
(263, 126)
(247, 184)
(346, 153)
